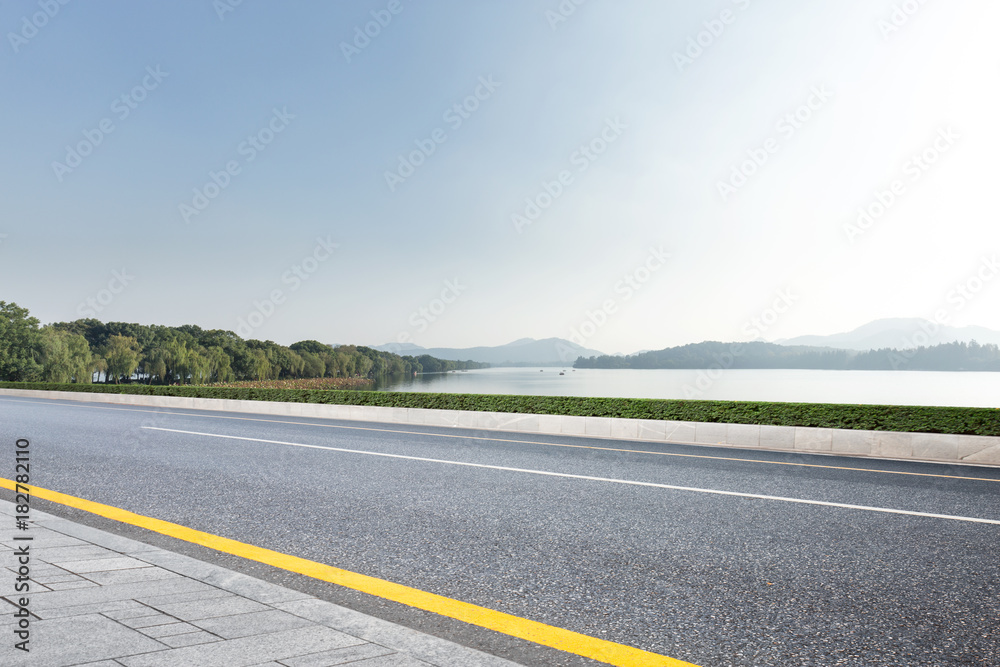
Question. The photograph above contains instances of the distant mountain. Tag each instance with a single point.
(898, 333)
(716, 355)
(400, 348)
(521, 352)
(711, 354)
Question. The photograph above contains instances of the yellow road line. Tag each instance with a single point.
(515, 626)
(536, 442)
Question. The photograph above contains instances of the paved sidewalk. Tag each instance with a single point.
(100, 600)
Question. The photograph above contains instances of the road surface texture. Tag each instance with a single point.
(691, 563)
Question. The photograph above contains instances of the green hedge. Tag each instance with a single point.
(963, 421)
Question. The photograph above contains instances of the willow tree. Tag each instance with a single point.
(122, 356)
(65, 356)
(81, 359)
(57, 366)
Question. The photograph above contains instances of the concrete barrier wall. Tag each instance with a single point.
(970, 449)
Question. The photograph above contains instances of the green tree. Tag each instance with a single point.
(199, 366)
(57, 366)
(289, 362)
(261, 367)
(153, 365)
(313, 346)
(81, 358)
(175, 357)
(100, 366)
(122, 357)
(20, 343)
(220, 365)
(315, 367)
(363, 366)
(65, 356)
(93, 330)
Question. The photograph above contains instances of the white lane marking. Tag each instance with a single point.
(593, 479)
(438, 434)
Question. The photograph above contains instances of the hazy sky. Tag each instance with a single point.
(469, 173)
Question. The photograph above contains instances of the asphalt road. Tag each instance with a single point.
(717, 580)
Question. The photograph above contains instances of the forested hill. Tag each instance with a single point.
(84, 349)
(946, 357)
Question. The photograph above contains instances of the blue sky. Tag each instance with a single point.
(586, 147)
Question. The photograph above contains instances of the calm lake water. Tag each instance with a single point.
(805, 386)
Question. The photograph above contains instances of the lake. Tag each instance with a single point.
(968, 389)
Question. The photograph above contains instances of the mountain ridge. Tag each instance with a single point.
(897, 332)
(900, 333)
(520, 352)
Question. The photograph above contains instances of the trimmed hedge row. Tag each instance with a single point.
(917, 419)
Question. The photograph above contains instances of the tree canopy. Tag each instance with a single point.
(20, 344)
(88, 349)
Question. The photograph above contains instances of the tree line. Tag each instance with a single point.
(957, 356)
(88, 350)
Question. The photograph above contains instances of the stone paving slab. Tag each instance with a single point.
(247, 650)
(51, 540)
(175, 598)
(197, 610)
(99, 564)
(63, 529)
(234, 582)
(94, 637)
(95, 608)
(394, 660)
(190, 639)
(59, 599)
(244, 625)
(70, 585)
(128, 604)
(55, 553)
(168, 630)
(131, 576)
(338, 656)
